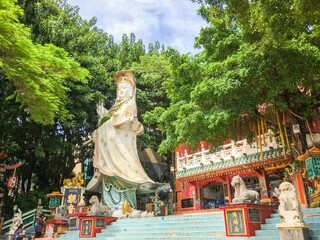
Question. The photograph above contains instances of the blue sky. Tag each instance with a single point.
(173, 22)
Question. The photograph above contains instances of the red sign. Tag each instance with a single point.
(49, 231)
(12, 183)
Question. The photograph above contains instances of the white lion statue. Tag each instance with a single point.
(289, 208)
(242, 194)
(16, 221)
(96, 208)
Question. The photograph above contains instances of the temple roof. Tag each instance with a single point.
(312, 152)
(239, 163)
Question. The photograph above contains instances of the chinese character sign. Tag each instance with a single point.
(71, 198)
(235, 222)
(86, 228)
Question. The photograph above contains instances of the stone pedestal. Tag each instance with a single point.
(243, 220)
(60, 226)
(90, 226)
(293, 231)
(74, 221)
(9, 236)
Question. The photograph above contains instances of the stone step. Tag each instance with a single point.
(272, 220)
(314, 225)
(314, 232)
(170, 233)
(267, 233)
(70, 234)
(211, 222)
(269, 227)
(152, 238)
(254, 238)
(271, 223)
(265, 238)
(218, 215)
(166, 229)
(307, 220)
(311, 210)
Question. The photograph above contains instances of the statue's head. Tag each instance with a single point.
(94, 199)
(236, 180)
(125, 85)
(286, 186)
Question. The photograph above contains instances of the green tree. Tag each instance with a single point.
(37, 72)
(255, 53)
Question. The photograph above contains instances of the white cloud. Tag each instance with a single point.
(172, 22)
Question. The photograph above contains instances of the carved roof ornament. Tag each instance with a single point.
(312, 152)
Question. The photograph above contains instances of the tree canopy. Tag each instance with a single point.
(50, 142)
(258, 57)
(38, 72)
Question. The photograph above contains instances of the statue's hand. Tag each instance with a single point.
(101, 110)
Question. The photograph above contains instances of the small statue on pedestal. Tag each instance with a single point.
(96, 208)
(16, 221)
(289, 208)
(82, 201)
(242, 194)
(291, 225)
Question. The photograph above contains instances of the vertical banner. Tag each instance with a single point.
(86, 228)
(71, 198)
(49, 230)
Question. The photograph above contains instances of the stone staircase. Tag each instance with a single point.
(191, 226)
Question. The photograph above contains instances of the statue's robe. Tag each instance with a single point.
(116, 156)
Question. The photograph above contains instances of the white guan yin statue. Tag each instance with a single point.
(119, 171)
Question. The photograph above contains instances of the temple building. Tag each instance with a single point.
(203, 178)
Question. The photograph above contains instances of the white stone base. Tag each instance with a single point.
(293, 225)
(291, 217)
(294, 233)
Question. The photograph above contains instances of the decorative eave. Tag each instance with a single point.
(10, 167)
(231, 167)
(312, 152)
(55, 194)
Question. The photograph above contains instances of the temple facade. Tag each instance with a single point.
(203, 178)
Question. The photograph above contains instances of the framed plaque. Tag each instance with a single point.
(73, 222)
(254, 215)
(86, 228)
(187, 203)
(100, 223)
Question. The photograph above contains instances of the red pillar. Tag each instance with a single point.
(179, 196)
(227, 190)
(198, 197)
(264, 187)
(298, 183)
